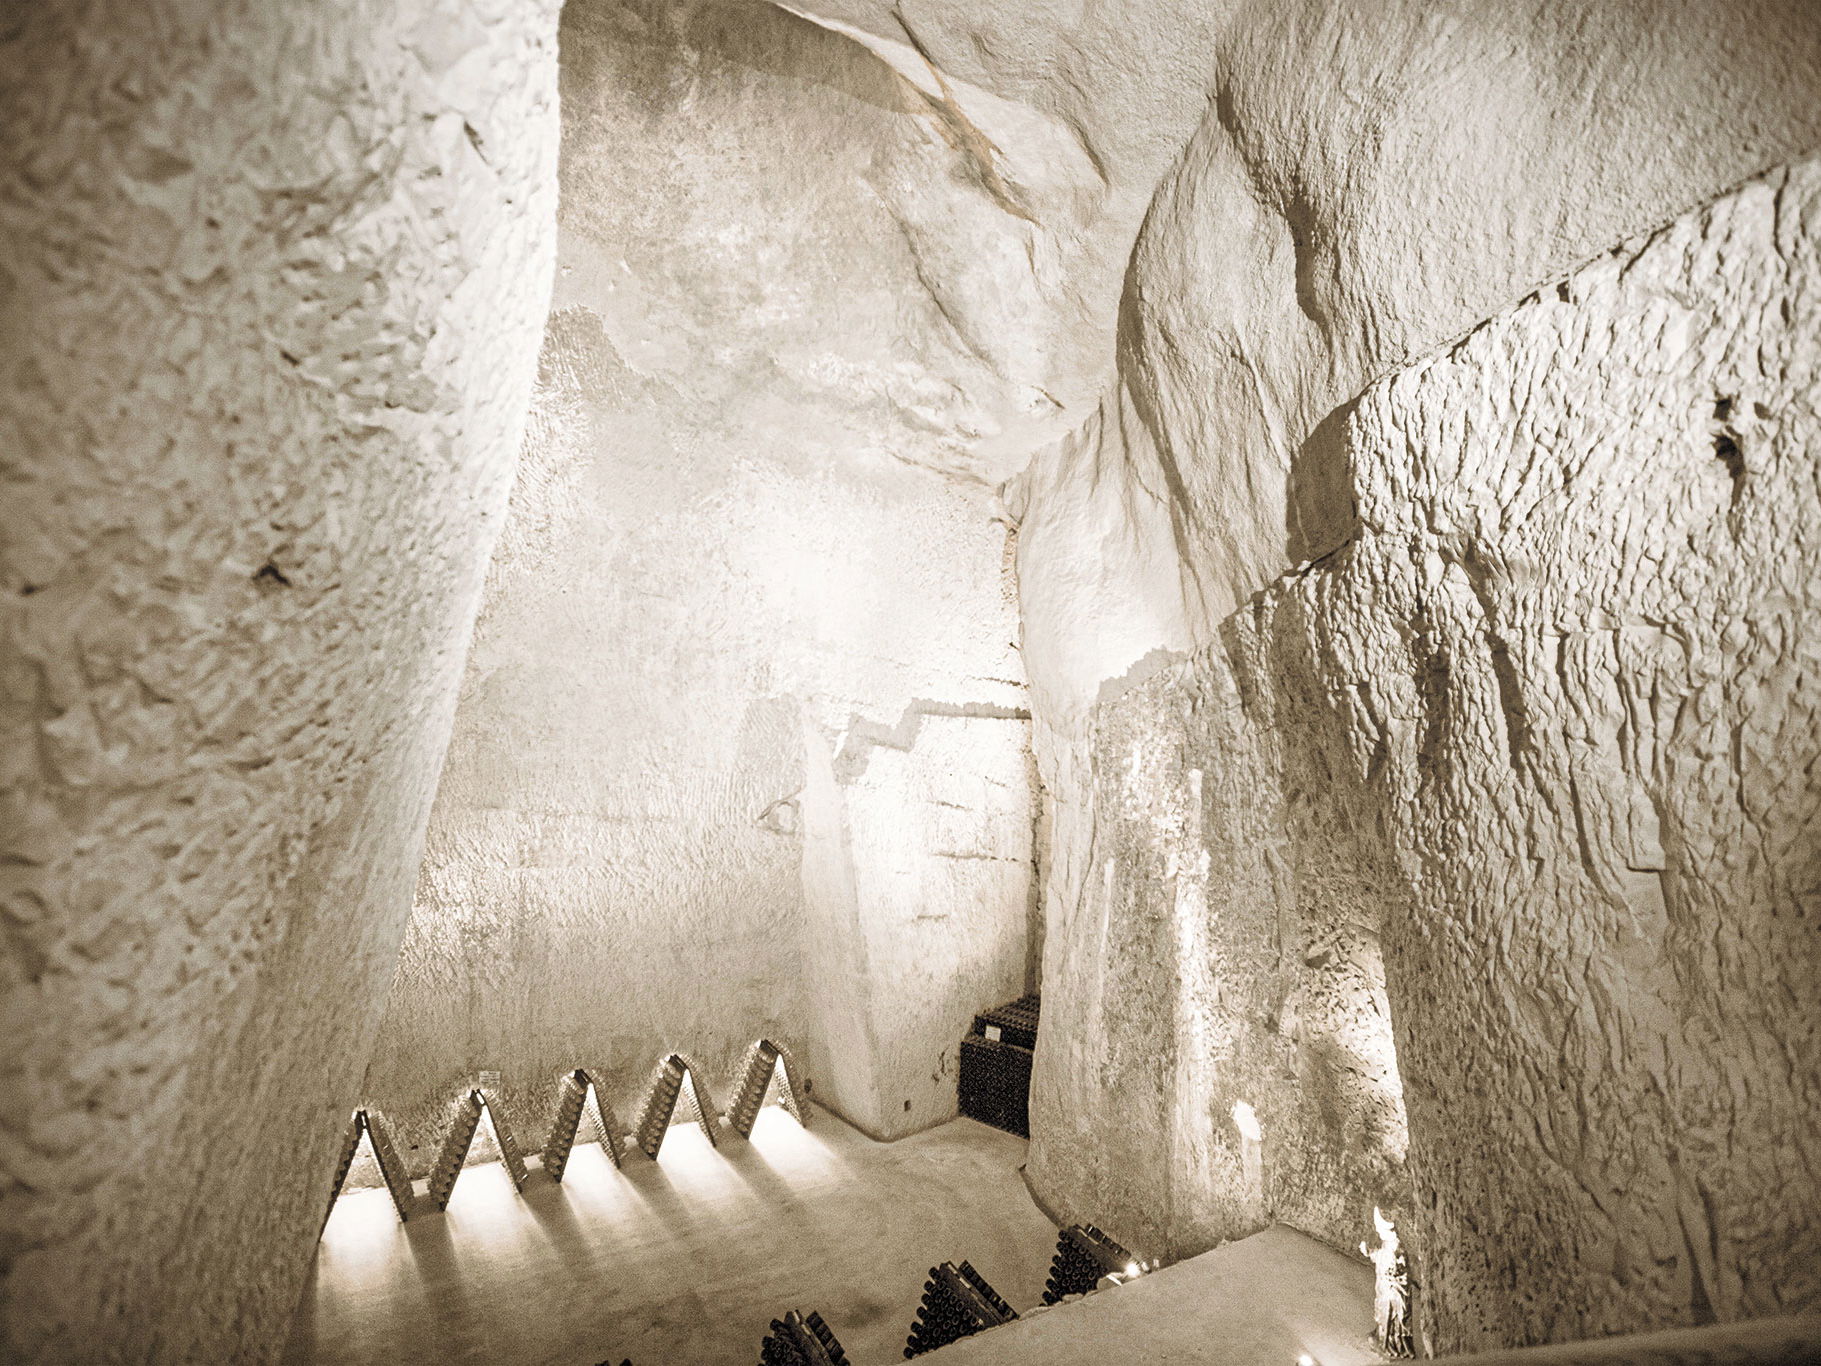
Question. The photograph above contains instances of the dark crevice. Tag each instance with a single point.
(1729, 455)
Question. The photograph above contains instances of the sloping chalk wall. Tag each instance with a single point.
(743, 746)
(1521, 778)
(272, 288)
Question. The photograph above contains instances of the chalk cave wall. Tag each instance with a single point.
(271, 295)
(1520, 752)
(743, 746)
(1415, 514)
(1420, 679)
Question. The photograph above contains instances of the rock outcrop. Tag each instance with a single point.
(1493, 807)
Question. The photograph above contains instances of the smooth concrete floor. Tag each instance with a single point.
(679, 1262)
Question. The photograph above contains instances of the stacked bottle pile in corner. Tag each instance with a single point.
(996, 1066)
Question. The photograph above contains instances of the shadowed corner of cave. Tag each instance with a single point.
(1323, 511)
(859, 679)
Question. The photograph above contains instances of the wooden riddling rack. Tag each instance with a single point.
(371, 1125)
(675, 1079)
(460, 1138)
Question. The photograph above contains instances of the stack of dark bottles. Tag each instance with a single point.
(799, 1341)
(1083, 1255)
(957, 1303)
(996, 1066)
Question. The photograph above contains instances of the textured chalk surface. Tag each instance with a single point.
(1516, 757)
(742, 749)
(273, 284)
(1399, 418)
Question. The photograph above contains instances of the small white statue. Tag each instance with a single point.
(1391, 1290)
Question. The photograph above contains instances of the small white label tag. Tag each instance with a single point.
(993, 1034)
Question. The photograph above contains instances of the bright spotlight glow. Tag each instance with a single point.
(1305, 1360)
(362, 1230)
(1245, 1119)
(1387, 1231)
(1131, 1268)
(363, 1171)
(790, 1149)
(485, 1204)
(485, 1145)
(694, 1162)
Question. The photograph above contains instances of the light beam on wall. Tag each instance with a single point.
(1245, 1119)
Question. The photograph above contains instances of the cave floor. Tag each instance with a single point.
(1272, 1299)
(685, 1262)
(679, 1262)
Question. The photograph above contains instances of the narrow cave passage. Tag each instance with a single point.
(686, 679)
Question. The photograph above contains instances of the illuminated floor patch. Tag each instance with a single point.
(687, 1259)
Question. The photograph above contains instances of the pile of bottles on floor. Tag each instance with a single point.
(996, 1059)
(957, 1303)
(1083, 1255)
(799, 1340)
